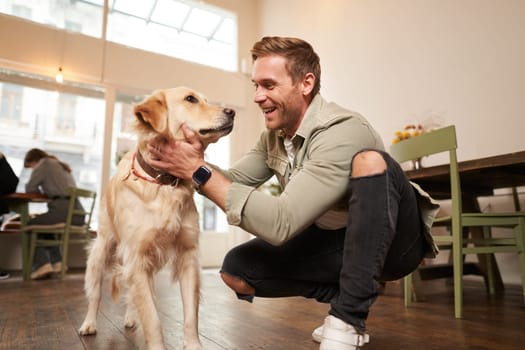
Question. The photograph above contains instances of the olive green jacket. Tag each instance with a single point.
(315, 186)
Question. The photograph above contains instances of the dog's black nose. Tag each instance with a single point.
(229, 112)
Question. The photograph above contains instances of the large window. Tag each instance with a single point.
(11, 105)
(78, 16)
(186, 29)
(65, 121)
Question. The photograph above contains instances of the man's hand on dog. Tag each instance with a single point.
(177, 157)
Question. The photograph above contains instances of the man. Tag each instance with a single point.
(347, 216)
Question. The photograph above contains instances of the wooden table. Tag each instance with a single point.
(19, 203)
(479, 177)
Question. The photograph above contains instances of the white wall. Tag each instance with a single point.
(460, 61)
(456, 62)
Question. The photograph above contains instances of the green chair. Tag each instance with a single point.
(444, 140)
(64, 233)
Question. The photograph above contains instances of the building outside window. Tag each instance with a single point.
(65, 117)
(65, 124)
(11, 104)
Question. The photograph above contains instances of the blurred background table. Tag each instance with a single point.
(479, 177)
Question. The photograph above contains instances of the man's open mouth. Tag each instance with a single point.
(268, 110)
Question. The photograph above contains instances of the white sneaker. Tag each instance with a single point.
(42, 272)
(339, 335)
(317, 334)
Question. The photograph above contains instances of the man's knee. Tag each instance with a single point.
(367, 163)
(237, 284)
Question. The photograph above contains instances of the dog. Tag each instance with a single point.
(148, 218)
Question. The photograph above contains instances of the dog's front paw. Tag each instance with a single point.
(130, 318)
(130, 323)
(87, 328)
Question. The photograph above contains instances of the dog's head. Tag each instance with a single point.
(163, 113)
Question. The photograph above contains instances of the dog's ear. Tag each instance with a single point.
(153, 111)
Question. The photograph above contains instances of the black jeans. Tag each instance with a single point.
(383, 241)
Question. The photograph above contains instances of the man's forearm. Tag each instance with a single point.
(216, 189)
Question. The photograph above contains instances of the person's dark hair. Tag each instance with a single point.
(36, 154)
(301, 57)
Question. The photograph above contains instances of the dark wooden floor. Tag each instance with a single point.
(46, 314)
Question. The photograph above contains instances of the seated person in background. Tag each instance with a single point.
(8, 183)
(7, 186)
(51, 177)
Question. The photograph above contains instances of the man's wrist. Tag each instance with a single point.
(201, 176)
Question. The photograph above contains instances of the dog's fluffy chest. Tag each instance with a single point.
(158, 222)
(144, 208)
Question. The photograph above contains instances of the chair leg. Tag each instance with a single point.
(407, 282)
(520, 241)
(65, 252)
(521, 257)
(489, 278)
(458, 281)
(31, 256)
(26, 267)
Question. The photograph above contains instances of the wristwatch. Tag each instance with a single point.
(201, 176)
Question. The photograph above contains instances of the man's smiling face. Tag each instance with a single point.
(281, 101)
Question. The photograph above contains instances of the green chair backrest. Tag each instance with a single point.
(434, 142)
(76, 195)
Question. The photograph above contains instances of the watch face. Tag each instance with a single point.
(201, 175)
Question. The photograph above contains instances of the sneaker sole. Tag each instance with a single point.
(318, 336)
(333, 339)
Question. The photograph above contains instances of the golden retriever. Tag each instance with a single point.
(148, 219)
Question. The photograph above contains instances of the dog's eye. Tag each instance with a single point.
(191, 99)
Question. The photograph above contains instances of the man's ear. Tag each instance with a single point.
(308, 83)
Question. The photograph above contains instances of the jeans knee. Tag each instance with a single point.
(232, 262)
(234, 270)
(368, 162)
(236, 283)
